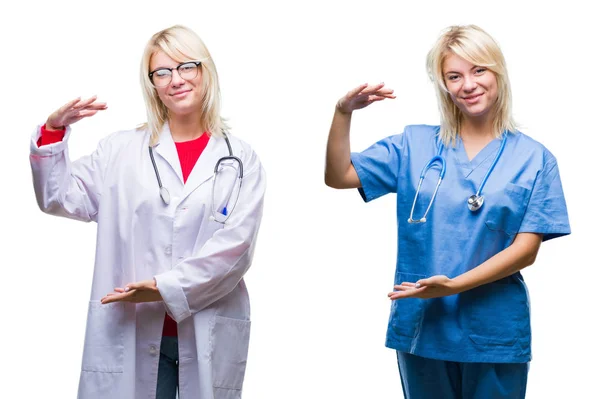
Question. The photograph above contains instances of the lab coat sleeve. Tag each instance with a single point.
(217, 268)
(546, 212)
(377, 167)
(65, 188)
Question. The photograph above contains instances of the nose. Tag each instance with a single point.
(176, 79)
(470, 84)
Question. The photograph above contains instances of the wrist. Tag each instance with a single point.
(458, 285)
(50, 128)
(339, 110)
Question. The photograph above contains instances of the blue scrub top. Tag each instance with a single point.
(523, 193)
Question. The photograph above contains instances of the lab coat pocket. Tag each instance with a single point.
(229, 351)
(207, 230)
(507, 209)
(103, 350)
(407, 314)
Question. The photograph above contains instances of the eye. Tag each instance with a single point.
(161, 73)
(480, 70)
(452, 77)
(187, 67)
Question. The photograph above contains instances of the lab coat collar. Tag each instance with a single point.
(204, 168)
(205, 165)
(165, 147)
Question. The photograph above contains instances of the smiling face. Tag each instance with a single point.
(473, 88)
(181, 96)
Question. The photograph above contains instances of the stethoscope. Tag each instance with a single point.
(474, 202)
(229, 161)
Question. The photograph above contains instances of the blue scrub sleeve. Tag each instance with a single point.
(377, 167)
(547, 210)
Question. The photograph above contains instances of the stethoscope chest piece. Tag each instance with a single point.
(475, 202)
(164, 194)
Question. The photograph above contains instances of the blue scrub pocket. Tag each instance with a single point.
(497, 314)
(406, 315)
(507, 209)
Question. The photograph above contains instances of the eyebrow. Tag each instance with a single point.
(176, 66)
(164, 67)
(474, 67)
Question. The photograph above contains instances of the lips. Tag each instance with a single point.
(472, 99)
(180, 93)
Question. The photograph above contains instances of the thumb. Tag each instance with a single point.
(132, 286)
(423, 283)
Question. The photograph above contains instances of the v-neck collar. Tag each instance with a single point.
(460, 154)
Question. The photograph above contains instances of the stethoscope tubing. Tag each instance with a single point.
(164, 192)
(439, 158)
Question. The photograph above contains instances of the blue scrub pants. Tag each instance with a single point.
(167, 384)
(424, 378)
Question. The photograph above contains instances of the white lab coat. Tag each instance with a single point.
(198, 263)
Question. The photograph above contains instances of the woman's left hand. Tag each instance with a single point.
(432, 287)
(142, 291)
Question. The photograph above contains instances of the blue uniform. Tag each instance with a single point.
(491, 323)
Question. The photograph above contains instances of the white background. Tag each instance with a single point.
(324, 261)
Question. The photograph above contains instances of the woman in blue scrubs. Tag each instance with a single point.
(460, 319)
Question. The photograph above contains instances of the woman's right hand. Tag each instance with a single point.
(72, 112)
(363, 96)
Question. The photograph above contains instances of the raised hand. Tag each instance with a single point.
(73, 111)
(363, 96)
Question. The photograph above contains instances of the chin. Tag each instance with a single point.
(184, 110)
(476, 112)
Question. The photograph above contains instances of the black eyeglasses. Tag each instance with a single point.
(161, 77)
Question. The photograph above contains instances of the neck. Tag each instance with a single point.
(481, 128)
(185, 127)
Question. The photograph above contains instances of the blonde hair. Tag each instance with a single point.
(476, 46)
(181, 44)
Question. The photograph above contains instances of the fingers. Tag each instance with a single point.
(86, 113)
(139, 285)
(118, 296)
(365, 90)
(354, 92)
(68, 105)
(110, 298)
(74, 111)
(97, 106)
(406, 292)
(84, 103)
(378, 89)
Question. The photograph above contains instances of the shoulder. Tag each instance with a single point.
(528, 148)
(421, 133)
(414, 132)
(242, 150)
(422, 130)
(123, 138)
(123, 142)
(421, 137)
(126, 136)
(239, 144)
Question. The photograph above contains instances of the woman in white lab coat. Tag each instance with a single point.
(170, 238)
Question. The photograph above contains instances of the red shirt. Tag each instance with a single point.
(188, 151)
